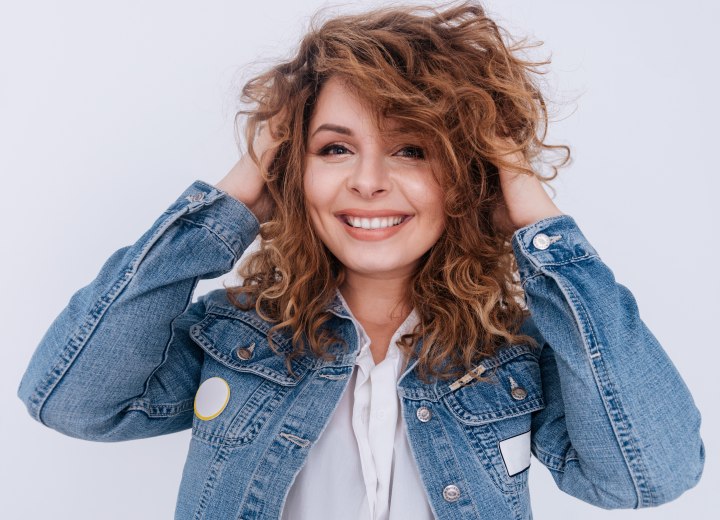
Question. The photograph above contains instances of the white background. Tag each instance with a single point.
(108, 111)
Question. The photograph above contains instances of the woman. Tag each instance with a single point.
(381, 358)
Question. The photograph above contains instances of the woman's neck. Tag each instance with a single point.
(377, 301)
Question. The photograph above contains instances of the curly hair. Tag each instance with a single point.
(448, 75)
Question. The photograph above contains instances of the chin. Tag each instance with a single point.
(374, 268)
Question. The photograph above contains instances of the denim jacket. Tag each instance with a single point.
(606, 411)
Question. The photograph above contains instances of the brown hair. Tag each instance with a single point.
(445, 74)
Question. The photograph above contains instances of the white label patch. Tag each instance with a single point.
(211, 398)
(516, 453)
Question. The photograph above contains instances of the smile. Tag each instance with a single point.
(375, 228)
(375, 222)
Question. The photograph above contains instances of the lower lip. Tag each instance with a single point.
(373, 234)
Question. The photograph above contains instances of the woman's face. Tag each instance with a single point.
(359, 185)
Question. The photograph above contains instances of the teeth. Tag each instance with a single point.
(373, 223)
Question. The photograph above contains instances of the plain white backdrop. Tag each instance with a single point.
(108, 111)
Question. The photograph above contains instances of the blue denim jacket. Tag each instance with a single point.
(608, 413)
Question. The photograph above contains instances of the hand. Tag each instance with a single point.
(524, 198)
(245, 181)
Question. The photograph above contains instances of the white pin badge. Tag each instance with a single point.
(516, 453)
(211, 398)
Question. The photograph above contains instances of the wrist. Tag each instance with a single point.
(553, 211)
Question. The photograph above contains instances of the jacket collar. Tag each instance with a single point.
(339, 307)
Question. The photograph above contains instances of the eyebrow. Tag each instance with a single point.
(333, 128)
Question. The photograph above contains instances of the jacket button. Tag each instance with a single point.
(451, 493)
(196, 197)
(245, 353)
(541, 241)
(423, 413)
(518, 393)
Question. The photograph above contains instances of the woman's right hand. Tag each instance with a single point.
(244, 181)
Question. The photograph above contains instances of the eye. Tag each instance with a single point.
(333, 149)
(412, 152)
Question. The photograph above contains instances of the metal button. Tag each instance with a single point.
(196, 197)
(541, 241)
(518, 393)
(451, 493)
(245, 353)
(423, 413)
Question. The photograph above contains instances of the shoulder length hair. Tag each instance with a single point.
(448, 75)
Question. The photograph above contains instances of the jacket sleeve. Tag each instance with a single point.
(118, 363)
(620, 428)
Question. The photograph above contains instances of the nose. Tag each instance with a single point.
(370, 177)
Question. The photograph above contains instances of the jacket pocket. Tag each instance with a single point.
(496, 414)
(242, 382)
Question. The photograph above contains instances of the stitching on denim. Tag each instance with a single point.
(216, 467)
(548, 459)
(219, 236)
(334, 377)
(539, 266)
(162, 410)
(233, 313)
(198, 335)
(457, 467)
(303, 443)
(84, 331)
(477, 448)
(166, 350)
(625, 440)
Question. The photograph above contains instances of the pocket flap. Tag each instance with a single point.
(244, 348)
(513, 388)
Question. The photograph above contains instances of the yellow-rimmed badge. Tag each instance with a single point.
(211, 398)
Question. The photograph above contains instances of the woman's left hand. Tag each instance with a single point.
(525, 200)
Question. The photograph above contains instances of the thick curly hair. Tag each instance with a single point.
(448, 75)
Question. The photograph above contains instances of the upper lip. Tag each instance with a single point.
(372, 213)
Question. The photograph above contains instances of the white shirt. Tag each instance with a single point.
(362, 466)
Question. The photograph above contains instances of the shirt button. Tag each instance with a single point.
(451, 493)
(245, 353)
(541, 241)
(423, 413)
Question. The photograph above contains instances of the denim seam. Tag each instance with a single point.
(614, 412)
(198, 334)
(86, 328)
(218, 235)
(219, 460)
(252, 477)
(540, 265)
(249, 319)
(459, 467)
(548, 459)
(478, 446)
(162, 410)
(142, 402)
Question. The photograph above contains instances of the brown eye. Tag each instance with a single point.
(333, 149)
(413, 152)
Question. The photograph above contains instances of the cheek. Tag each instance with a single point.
(318, 189)
(318, 198)
(429, 197)
(434, 204)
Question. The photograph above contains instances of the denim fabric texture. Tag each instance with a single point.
(607, 411)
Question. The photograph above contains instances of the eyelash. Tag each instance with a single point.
(326, 150)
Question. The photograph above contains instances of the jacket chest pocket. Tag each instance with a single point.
(242, 382)
(496, 415)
